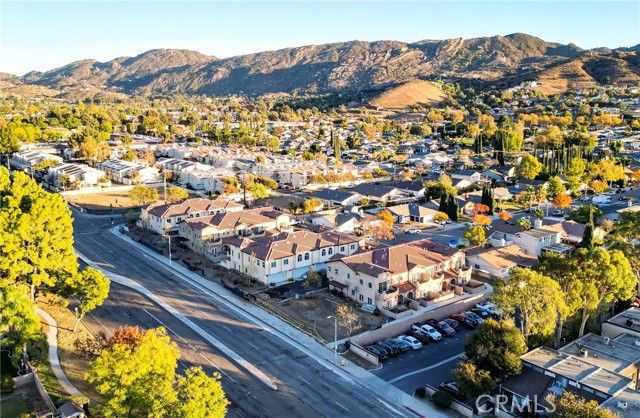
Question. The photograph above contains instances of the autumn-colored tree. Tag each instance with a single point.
(483, 220)
(598, 186)
(562, 201)
(126, 335)
(311, 205)
(143, 195)
(176, 194)
(440, 217)
(386, 217)
(480, 209)
(505, 216)
(382, 230)
(636, 175)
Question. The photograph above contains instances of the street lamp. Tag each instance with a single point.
(169, 239)
(335, 339)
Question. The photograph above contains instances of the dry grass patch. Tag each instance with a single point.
(74, 365)
(408, 94)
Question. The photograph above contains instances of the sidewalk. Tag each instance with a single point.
(386, 393)
(52, 339)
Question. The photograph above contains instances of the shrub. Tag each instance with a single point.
(420, 392)
(441, 399)
(7, 384)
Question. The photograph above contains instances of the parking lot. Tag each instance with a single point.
(432, 364)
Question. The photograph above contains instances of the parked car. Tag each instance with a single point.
(442, 327)
(411, 341)
(368, 307)
(490, 307)
(400, 345)
(464, 320)
(412, 231)
(557, 212)
(475, 316)
(622, 198)
(453, 323)
(481, 313)
(391, 348)
(420, 336)
(378, 351)
(452, 389)
(429, 330)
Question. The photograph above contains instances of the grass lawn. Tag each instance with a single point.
(74, 365)
(14, 406)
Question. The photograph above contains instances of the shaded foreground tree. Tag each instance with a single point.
(471, 380)
(138, 379)
(570, 405)
(496, 347)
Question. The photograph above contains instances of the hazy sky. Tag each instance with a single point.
(48, 34)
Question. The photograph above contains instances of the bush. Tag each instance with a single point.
(441, 399)
(420, 392)
(7, 384)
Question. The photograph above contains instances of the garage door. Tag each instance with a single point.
(277, 278)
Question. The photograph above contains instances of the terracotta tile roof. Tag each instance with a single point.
(231, 220)
(195, 205)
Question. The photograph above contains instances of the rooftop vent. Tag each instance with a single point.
(584, 353)
(630, 322)
(622, 405)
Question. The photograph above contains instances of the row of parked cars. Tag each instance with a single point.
(433, 330)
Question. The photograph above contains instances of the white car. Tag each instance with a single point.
(429, 330)
(491, 308)
(415, 344)
(412, 231)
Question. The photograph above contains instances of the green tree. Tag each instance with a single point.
(272, 144)
(137, 380)
(17, 315)
(143, 195)
(624, 237)
(476, 235)
(92, 288)
(471, 381)
(258, 191)
(603, 277)
(9, 141)
(529, 167)
(176, 194)
(36, 235)
(536, 299)
(496, 347)
(313, 280)
(570, 405)
(199, 396)
(555, 187)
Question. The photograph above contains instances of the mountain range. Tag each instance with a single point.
(354, 66)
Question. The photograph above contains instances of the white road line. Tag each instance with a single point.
(217, 368)
(227, 328)
(249, 342)
(166, 326)
(427, 368)
(299, 377)
(341, 406)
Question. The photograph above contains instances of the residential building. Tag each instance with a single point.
(533, 241)
(412, 212)
(28, 159)
(79, 175)
(205, 234)
(345, 222)
(392, 277)
(287, 256)
(495, 263)
(341, 198)
(127, 172)
(163, 219)
(625, 322)
(379, 193)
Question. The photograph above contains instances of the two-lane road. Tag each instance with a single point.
(306, 387)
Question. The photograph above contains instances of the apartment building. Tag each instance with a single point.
(389, 277)
(289, 255)
(127, 172)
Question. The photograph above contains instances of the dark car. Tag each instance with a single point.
(442, 327)
(420, 336)
(452, 389)
(622, 198)
(391, 348)
(453, 323)
(481, 313)
(474, 316)
(378, 351)
(401, 348)
(464, 320)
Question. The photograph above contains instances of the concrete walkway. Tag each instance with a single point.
(52, 339)
(393, 397)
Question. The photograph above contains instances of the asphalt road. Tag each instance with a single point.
(306, 387)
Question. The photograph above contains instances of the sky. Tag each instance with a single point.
(43, 35)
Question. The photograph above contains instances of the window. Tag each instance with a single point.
(169, 221)
(361, 298)
(353, 246)
(263, 264)
(306, 256)
(336, 270)
(299, 257)
(258, 262)
(330, 251)
(342, 249)
(353, 292)
(324, 252)
(382, 287)
(348, 275)
(273, 264)
(286, 261)
(370, 285)
(476, 266)
(361, 281)
(369, 301)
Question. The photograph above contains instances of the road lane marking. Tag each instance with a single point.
(166, 326)
(249, 342)
(341, 406)
(299, 377)
(227, 328)
(427, 368)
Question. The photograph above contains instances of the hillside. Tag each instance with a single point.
(409, 93)
(354, 66)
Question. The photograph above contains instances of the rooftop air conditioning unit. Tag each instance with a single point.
(584, 353)
(637, 343)
(630, 322)
(622, 405)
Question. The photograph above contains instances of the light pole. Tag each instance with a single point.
(169, 239)
(335, 339)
